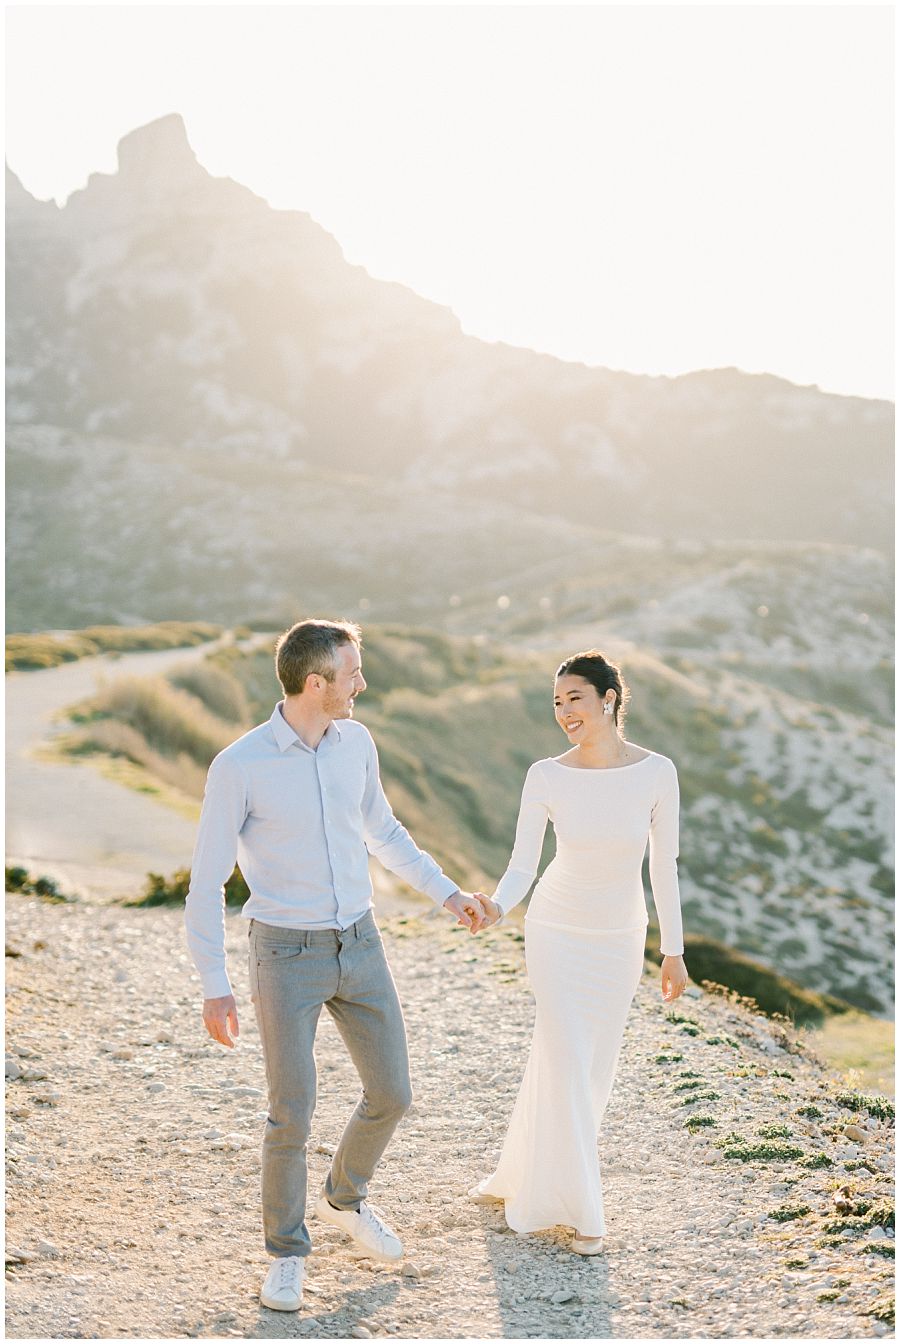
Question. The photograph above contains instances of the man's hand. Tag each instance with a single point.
(468, 908)
(218, 1016)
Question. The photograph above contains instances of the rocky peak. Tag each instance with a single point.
(159, 153)
(156, 166)
(22, 207)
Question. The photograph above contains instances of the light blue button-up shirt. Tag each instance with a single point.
(301, 824)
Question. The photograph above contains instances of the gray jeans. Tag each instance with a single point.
(293, 972)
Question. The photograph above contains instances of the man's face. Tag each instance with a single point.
(340, 693)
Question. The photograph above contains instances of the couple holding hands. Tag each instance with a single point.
(298, 803)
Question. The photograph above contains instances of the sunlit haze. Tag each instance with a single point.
(651, 189)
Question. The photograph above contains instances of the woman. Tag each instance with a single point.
(584, 944)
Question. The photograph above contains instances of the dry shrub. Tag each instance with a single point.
(222, 693)
(171, 721)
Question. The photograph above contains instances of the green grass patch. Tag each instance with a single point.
(19, 879)
(173, 890)
(858, 1048)
(747, 982)
(27, 652)
(788, 1213)
(813, 1161)
(810, 1112)
(745, 1151)
(878, 1107)
(882, 1309)
(707, 1094)
(695, 1122)
(774, 1132)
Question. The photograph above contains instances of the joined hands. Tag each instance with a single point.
(473, 910)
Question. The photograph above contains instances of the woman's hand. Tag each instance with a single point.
(491, 912)
(674, 978)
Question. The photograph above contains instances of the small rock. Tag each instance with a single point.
(47, 1249)
(711, 1156)
(855, 1132)
(13, 1069)
(14, 1256)
(34, 1075)
(411, 1271)
(877, 1234)
(880, 1329)
(164, 1038)
(156, 1087)
(124, 1052)
(360, 1332)
(564, 1295)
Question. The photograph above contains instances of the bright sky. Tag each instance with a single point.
(645, 188)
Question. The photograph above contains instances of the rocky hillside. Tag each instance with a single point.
(786, 817)
(189, 368)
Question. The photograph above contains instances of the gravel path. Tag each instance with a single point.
(133, 1158)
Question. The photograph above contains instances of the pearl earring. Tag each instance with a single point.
(607, 708)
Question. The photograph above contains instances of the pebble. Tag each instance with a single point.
(46, 1248)
(563, 1295)
(856, 1133)
(123, 1052)
(13, 1068)
(156, 1087)
(360, 1332)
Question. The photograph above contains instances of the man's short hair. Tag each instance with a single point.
(311, 646)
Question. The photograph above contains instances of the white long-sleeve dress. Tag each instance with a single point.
(584, 945)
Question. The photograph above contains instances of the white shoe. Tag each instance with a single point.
(587, 1245)
(283, 1288)
(477, 1196)
(370, 1235)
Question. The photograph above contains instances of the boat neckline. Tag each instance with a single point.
(600, 769)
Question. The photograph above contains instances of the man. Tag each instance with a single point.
(299, 803)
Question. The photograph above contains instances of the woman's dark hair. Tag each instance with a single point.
(602, 674)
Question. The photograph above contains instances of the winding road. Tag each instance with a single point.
(65, 819)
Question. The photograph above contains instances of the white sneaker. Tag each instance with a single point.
(283, 1288)
(370, 1234)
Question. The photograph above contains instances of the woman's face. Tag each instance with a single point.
(579, 707)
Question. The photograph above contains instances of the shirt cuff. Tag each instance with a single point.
(440, 888)
(216, 984)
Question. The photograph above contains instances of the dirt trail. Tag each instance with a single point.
(133, 1163)
(67, 820)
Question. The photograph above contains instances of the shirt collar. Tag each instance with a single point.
(285, 736)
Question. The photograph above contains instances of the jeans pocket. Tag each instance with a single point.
(274, 954)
